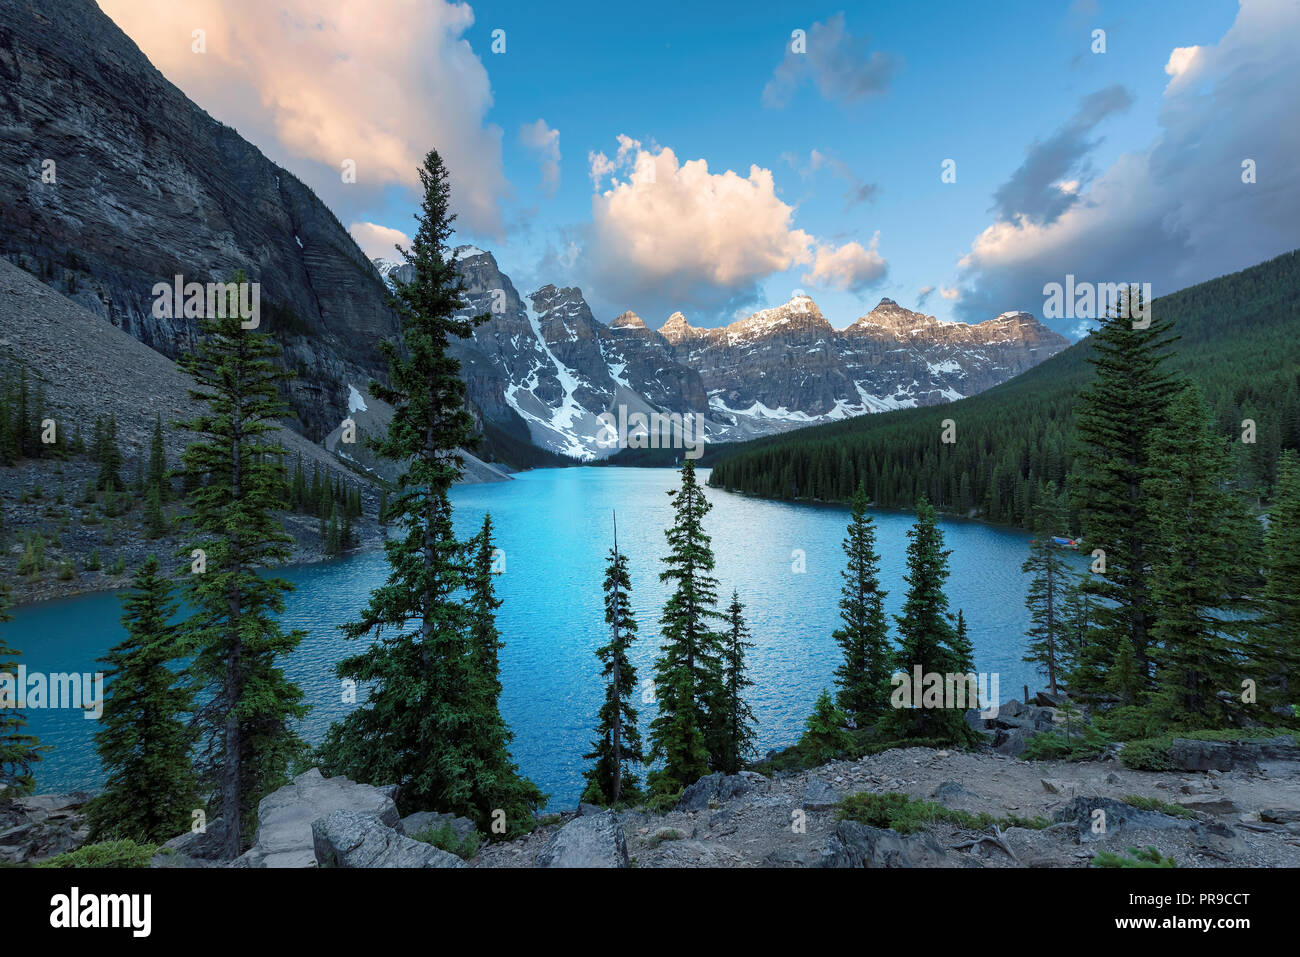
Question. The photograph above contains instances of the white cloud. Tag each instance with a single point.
(1183, 62)
(850, 267)
(951, 294)
(317, 82)
(1176, 212)
(376, 240)
(677, 231)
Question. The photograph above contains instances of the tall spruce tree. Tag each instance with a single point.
(1045, 597)
(927, 638)
(426, 724)
(110, 458)
(963, 649)
(738, 718)
(617, 748)
(145, 742)
(1202, 567)
(157, 477)
(863, 675)
(485, 639)
(1076, 618)
(233, 633)
(1277, 634)
(1127, 400)
(688, 731)
(18, 749)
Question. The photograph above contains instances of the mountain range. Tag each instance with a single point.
(112, 181)
(548, 360)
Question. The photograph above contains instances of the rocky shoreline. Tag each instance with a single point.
(1040, 813)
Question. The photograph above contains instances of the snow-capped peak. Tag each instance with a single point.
(466, 252)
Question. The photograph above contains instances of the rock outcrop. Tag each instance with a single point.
(41, 826)
(346, 838)
(285, 817)
(589, 840)
(858, 845)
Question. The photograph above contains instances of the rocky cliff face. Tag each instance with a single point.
(146, 186)
(546, 360)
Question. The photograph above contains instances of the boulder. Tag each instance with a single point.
(1279, 815)
(1045, 699)
(1243, 755)
(859, 845)
(1012, 742)
(352, 839)
(593, 840)
(720, 787)
(284, 817)
(1209, 803)
(1119, 817)
(1058, 786)
(956, 796)
(202, 845)
(422, 821)
(818, 795)
(41, 826)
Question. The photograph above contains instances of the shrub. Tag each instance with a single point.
(664, 834)
(67, 571)
(1083, 744)
(33, 559)
(1149, 857)
(445, 838)
(901, 813)
(662, 803)
(1155, 804)
(124, 853)
(1129, 723)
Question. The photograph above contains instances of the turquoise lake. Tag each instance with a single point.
(554, 526)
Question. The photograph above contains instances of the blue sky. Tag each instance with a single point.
(1003, 90)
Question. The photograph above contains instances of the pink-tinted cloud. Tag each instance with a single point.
(315, 83)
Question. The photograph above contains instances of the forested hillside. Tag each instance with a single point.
(1237, 340)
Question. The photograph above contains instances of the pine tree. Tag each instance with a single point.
(110, 458)
(158, 462)
(963, 651)
(1200, 569)
(738, 717)
(155, 522)
(863, 676)
(825, 737)
(1076, 617)
(688, 731)
(926, 633)
(617, 747)
(233, 634)
(1115, 416)
(1122, 679)
(18, 750)
(1045, 597)
(144, 741)
(424, 725)
(1277, 636)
